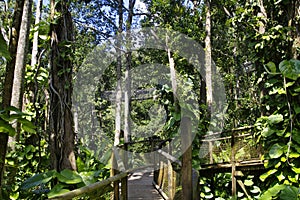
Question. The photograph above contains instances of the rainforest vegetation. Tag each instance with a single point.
(50, 145)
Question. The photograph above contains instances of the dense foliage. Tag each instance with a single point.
(255, 47)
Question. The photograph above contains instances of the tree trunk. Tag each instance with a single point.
(208, 62)
(38, 14)
(8, 82)
(19, 73)
(127, 127)
(62, 133)
(118, 101)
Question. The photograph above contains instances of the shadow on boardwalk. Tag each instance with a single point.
(140, 186)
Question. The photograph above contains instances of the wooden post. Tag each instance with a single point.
(171, 184)
(195, 180)
(160, 174)
(233, 179)
(210, 151)
(186, 170)
(121, 166)
(114, 172)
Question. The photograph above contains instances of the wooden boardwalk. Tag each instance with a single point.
(140, 186)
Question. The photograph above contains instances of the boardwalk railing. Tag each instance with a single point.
(232, 145)
(228, 150)
(234, 151)
(90, 188)
(168, 176)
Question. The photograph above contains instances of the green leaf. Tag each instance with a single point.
(271, 66)
(267, 131)
(7, 128)
(255, 190)
(3, 48)
(43, 37)
(276, 151)
(296, 170)
(28, 129)
(290, 69)
(296, 137)
(280, 177)
(57, 190)
(289, 193)
(14, 196)
(267, 174)
(275, 119)
(177, 116)
(80, 164)
(271, 192)
(68, 176)
(38, 179)
(248, 182)
(88, 177)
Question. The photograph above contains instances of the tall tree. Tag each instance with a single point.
(9, 76)
(208, 61)
(127, 127)
(19, 73)
(118, 116)
(62, 133)
(38, 14)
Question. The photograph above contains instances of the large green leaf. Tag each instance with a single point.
(275, 119)
(6, 128)
(68, 176)
(289, 193)
(267, 131)
(276, 151)
(290, 69)
(271, 192)
(88, 177)
(38, 179)
(57, 190)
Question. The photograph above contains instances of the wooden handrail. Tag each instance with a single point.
(225, 138)
(228, 131)
(169, 157)
(96, 186)
(90, 188)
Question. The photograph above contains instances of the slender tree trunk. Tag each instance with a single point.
(34, 54)
(208, 62)
(62, 135)
(8, 82)
(18, 82)
(115, 195)
(119, 76)
(294, 14)
(263, 15)
(127, 127)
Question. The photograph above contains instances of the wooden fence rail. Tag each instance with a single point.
(90, 188)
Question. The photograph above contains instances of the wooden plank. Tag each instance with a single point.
(240, 182)
(225, 138)
(169, 157)
(161, 192)
(139, 94)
